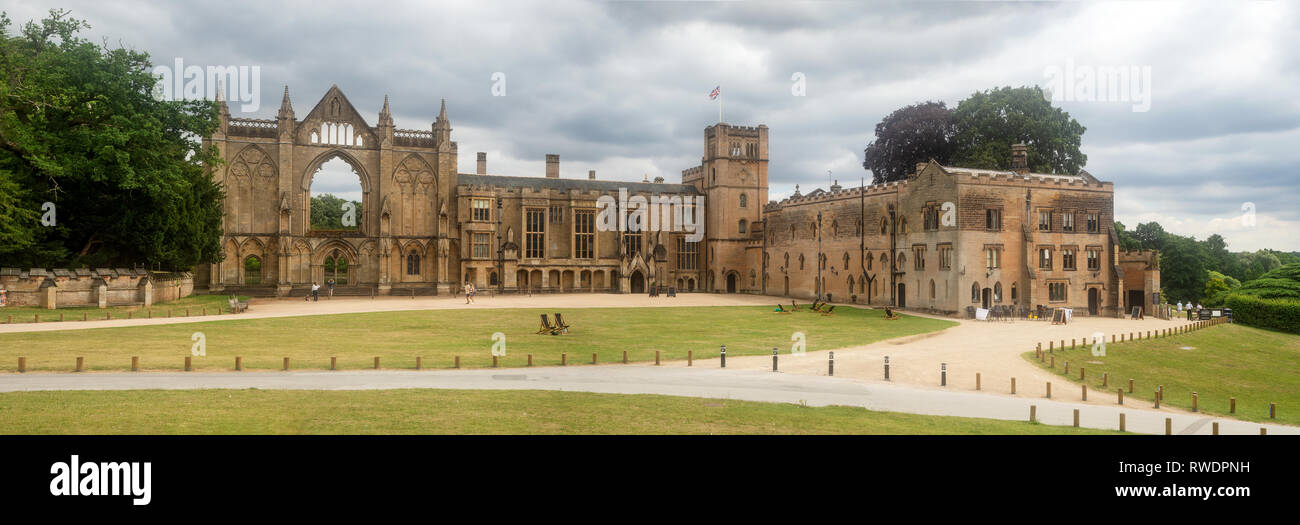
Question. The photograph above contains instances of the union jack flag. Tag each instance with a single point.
(716, 91)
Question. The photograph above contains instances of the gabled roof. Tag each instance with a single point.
(346, 111)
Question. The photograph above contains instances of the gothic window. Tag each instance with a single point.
(584, 234)
(997, 292)
(687, 254)
(801, 261)
(413, 263)
(481, 246)
(743, 200)
(535, 233)
(741, 226)
(846, 261)
(975, 292)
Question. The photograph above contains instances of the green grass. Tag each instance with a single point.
(425, 411)
(441, 335)
(195, 303)
(1255, 366)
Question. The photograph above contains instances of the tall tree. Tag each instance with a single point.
(989, 122)
(1126, 239)
(1182, 269)
(1151, 235)
(910, 135)
(125, 172)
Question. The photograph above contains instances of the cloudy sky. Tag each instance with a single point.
(623, 87)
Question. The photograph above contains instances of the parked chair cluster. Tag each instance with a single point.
(817, 306)
(237, 306)
(560, 327)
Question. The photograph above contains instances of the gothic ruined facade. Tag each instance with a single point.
(945, 239)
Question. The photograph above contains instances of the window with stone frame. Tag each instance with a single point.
(1068, 258)
(688, 254)
(1067, 221)
(557, 214)
(413, 263)
(945, 257)
(481, 209)
(919, 253)
(632, 242)
(744, 201)
(1094, 222)
(584, 234)
(1045, 220)
(801, 259)
(1094, 258)
(931, 217)
(992, 257)
(846, 261)
(1045, 258)
(535, 233)
(1057, 292)
(481, 246)
(993, 219)
(740, 226)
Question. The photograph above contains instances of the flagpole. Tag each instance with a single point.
(719, 107)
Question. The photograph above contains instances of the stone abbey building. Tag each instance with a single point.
(944, 239)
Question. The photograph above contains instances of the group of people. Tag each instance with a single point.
(315, 290)
(1189, 306)
(470, 292)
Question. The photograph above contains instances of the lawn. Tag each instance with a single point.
(195, 303)
(428, 411)
(439, 336)
(1255, 366)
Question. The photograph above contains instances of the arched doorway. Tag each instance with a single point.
(986, 295)
(731, 282)
(253, 270)
(1094, 301)
(636, 282)
(335, 196)
(902, 295)
(336, 267)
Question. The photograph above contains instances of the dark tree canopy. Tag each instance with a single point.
(126, 173)
(989, 122)
(909, 135)
(327, 213)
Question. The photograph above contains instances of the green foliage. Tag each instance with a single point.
(1255, 264)
(989, 122)
(1275, 314)
(1217, 287)
(327, 213)
(1281, 283)
(1182, 269)
(80, 128)
(1126, 239)
(910, 135)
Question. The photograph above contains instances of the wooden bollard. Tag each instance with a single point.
(187, 364)
(457, 362)
(1052, 363)
(1194, 402)
(593, 358)
(1215, 428)
(977, 380)
(564, 359)
(150, 314)
(1232, 405)
(1112, 338)
(1169, 426)
(334, 363)
(1160, 391)
(690, 357)
(187, 311)
(1013, 386)
(1049, 390)
(377, 362)
(1130, 386)
(494, 362)
(419, 362)
(1076, 418)
(1067, 366)
(80, 362)
(1083, 373)
(22, 364)
(135, 363)
(625, 357)
(1033, 413)
(1263, 431)
(36, 318)
(656, 358)
(1085, 391)
(1105, 379)
(1272, 410)
(1120, 391)
(1050, 347)
(530, 359)
(1121, 422)
(239, 364)
(1072, 343)
(108, 316)
(1157, 396)
(1062, 345)
(205, 310)
(286, 364)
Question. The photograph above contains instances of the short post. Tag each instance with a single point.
(1052, 363)
(1121, 421)
(593, 358)
(625, 357)
(530, 359)
(977, 380)
(943, 374)
(1215, 428)
(135, 363)
(1120, 391)
(1272, 410)
(1083, 373)
(1067, 367)
(1076, 418)
(457, 365)
(656, 358)
(377, 362)
(494, 362)
(564, 359)
(830, 370)
(22, 364)
(334, 362)
(1072, 343)
(724, 356)
(887, 372)
(239, 364)
(1169, 426)
(80, 362)
(205, 310)
(1160, 391)
(419, 362)
(1049, 390)
(1033, 413)
(1232, 405)
(1013, 386)
(286, 364)
(1194, 402)
(1050, 347)
(1157, 396)
(187, 364)
(187, 311)
(690, 358)
(1130, 386)
(37, 318)
(1084, 388)
(1105, 379)
(1263, 431)
(774, 359)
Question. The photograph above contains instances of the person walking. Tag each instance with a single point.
(330, 283)
(466, 289)
(473, 291)
(315, 291)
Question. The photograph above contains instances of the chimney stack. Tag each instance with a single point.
(552, 166)
(1020, 158)
(482, 163)
(591, 174)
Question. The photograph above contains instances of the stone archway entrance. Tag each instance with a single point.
(636, 282)
(1094, 301)
(731, 282)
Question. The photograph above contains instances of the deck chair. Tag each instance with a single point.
(780, 309)
(794, 307)
(817, 306)
(560, 324)
(830, 310)
(889, 314)
(547, 328)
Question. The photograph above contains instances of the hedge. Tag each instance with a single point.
(1275, 314)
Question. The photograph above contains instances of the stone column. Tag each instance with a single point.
(146, 291)
(101, 292)
(48, 294)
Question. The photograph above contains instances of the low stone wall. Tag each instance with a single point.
(102, 287)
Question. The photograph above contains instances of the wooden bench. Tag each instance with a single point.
(237, 306)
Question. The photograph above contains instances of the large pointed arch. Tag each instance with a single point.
(314, 166)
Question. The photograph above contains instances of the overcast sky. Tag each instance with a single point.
(623, 88)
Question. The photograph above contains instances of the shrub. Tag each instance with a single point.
(1275, 314)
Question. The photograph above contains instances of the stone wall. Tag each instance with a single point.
(102, 287)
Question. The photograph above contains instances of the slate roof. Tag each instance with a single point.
(548, 183)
